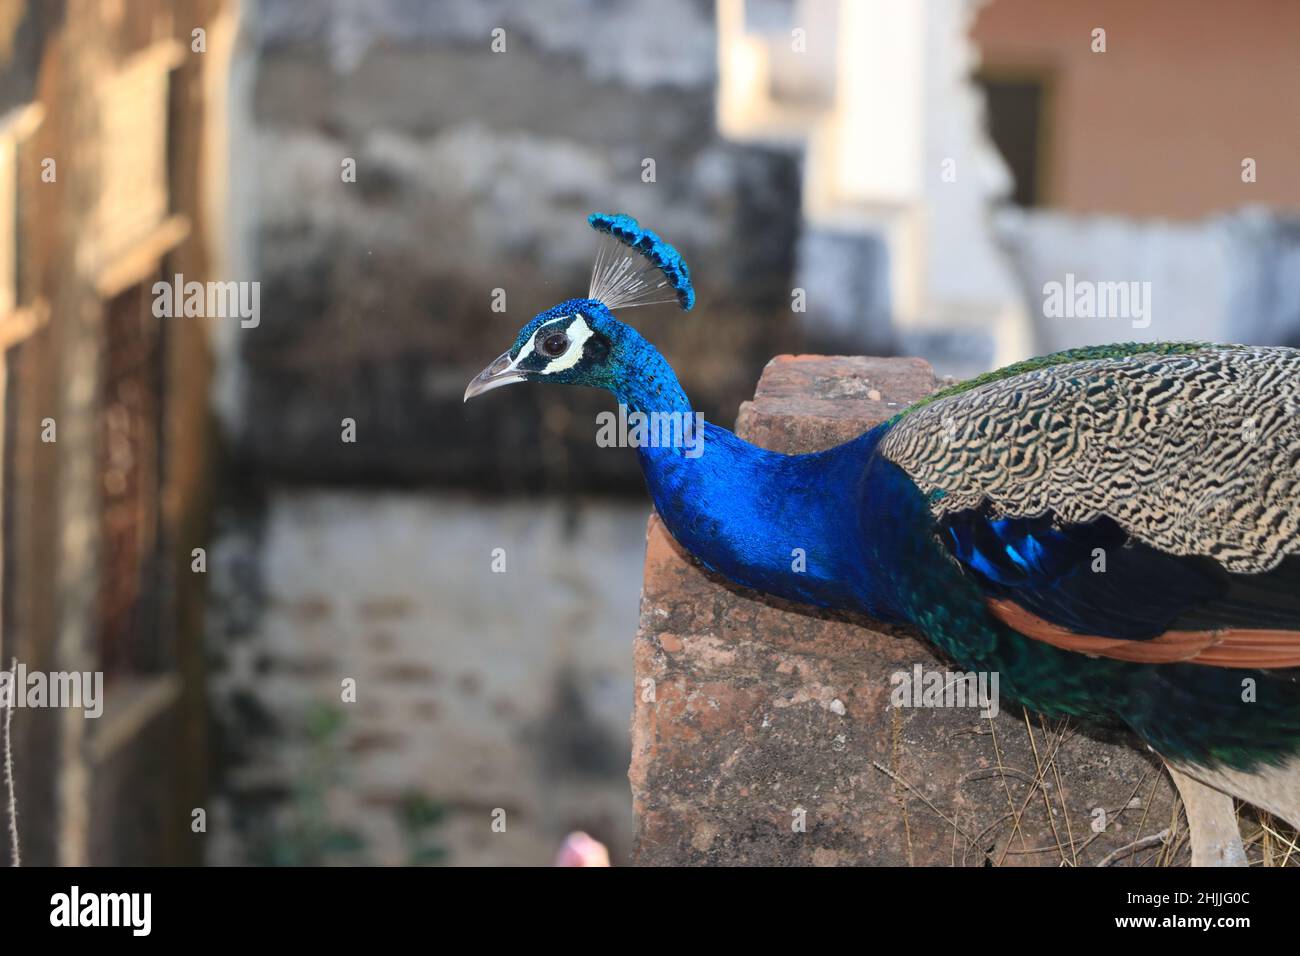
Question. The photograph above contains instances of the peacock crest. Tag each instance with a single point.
(655, 274)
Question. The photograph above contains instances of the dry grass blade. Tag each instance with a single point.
(1135, 847)
(9, 778)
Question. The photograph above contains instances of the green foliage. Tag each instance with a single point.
(418, 815)
(309, 837)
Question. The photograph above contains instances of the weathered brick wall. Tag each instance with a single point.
(753, 716)
(475, 690)
(474, 173)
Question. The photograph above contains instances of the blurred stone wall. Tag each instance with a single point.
(470, 698)
(1228, 278)
(475, 171)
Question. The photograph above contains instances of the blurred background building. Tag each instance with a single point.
(105, 126)
(408, 182)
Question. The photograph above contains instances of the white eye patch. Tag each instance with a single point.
(578, 332)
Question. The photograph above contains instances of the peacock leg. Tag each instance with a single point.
(1211, 822)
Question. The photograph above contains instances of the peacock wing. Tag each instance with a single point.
(1140, 503)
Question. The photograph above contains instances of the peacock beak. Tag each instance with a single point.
(501, 372)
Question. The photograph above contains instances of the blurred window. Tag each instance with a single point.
(1017, 123)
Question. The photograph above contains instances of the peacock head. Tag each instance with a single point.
(579, 342)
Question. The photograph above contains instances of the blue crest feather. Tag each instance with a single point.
(617, 283)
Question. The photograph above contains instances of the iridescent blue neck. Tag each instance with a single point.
(778, 523)
(646, 383)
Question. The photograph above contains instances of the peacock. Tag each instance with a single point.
(1113, 530)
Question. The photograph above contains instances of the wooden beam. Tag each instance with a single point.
(21, 121)
(137, 703)
(143, 257)
(21, 324)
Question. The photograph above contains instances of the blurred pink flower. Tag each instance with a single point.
(578, 849)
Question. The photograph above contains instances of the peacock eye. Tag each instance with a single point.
(554, 345)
